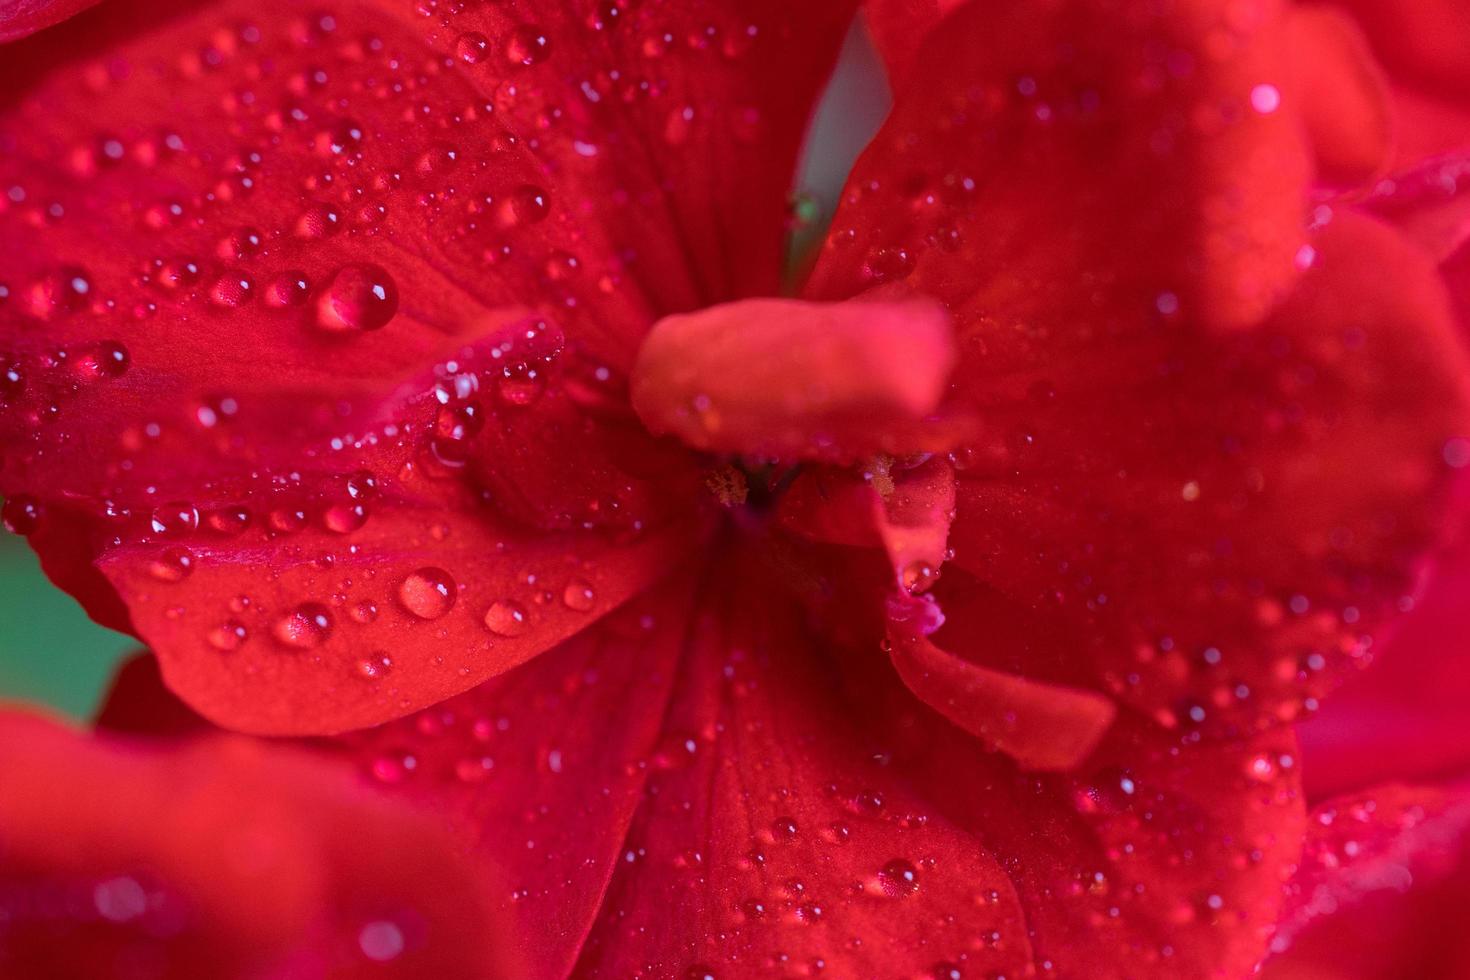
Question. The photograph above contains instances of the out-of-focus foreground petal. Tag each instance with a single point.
(225, 857)
(20, 18)
(1382, 890)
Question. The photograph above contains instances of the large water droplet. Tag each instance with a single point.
(359, 297)
(174, 518)
(428, 593)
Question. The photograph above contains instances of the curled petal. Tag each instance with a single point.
(1345, 100)
(785, 378)
(1042, 726)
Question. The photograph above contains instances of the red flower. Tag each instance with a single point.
(945, 617)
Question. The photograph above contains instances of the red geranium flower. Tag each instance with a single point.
(418, 365)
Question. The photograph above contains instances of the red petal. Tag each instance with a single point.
(1222, 524)
(540, 770)
(899, 27)
(906, 511)
(1040, 725)
(815, 825)
(783, 378)
(1344, 96)
(421, 606)
(784, 781)
(19, 18)
(222, 857)
(1381, 890)
(137, 703)
(1423, 42)
(1430, 202)
(1126, 153)
(1404, 718)
(499, 215)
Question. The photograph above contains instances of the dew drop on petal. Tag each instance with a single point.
(471, 47)
(287, 289)
(172, 565)
(227, 636)
(898, 878)
(527, 45)
(306, 626)
(231, 290)
(428, 593)
(506, 618)
(359, 297)
(174, 518)
(21, 514)
(374, 667)
(578, 595)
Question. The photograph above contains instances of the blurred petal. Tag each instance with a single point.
(222, 857)
(1381, 891)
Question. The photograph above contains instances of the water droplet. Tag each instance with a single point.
(242, 243)
(287, 520)
(471, 47)
(21, 514)
(506, 618)
(306, 626)
(108, 359)
(229, 520)
(918, 576)
(344, 517)
(174, 518)
(898, 878)
(359, 297)
(578, 595)
(374, 667)
(318, 221)
(527, 45)
(227, 636)
(286, 289)
(64, 291)
(527, 205)
(231, 290)
(428, 593)
(172, 565)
